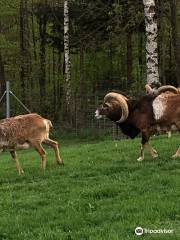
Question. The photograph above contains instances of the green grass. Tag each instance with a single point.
(101, 193)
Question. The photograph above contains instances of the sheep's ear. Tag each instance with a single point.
(148, 88)
(108, 105)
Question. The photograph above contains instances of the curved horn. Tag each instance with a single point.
(167, 88)
(122, 102)
(149, 89)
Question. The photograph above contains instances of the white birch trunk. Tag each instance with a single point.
(67, 54)
(151, 42)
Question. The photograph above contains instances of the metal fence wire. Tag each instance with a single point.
(84, 117)
(84, 108)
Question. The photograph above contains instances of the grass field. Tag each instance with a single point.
(101, 193)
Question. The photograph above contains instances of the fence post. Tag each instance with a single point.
(7, 99)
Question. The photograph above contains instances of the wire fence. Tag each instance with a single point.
(84, 121)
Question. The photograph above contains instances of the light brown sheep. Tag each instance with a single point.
(24, 130)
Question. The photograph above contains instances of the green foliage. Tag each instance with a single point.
(102, 192)
(107, 43)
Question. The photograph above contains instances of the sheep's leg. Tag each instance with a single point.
(54, 145)
(14, 157)
(152, 151)
(141, 152)
(169, 134)
(177, 154)
(144, 142)
(38, 147)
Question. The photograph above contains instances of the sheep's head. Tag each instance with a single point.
(114, 107)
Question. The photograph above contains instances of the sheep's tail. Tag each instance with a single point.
(48, 124)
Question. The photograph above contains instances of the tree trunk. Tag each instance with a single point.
(42, 56)
(25, 59)
(140, 55)
(2, 76)
(54, 84)
(59, 85)
(129, 59)
(175, 40)
(81, 66)
(2, 71)
(151, 43)
(161, 46)
(33, 30)
(110, 60)
(169, 77)
(67, 62)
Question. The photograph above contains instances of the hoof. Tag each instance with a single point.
(155, 156)
(21, 172)
(140, 159)
(154, 150)
(60, 163)
(175, 156)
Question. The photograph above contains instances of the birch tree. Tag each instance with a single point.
(151, 43)
(67, 56)
(175, 38)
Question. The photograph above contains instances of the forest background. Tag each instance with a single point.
(107, 51)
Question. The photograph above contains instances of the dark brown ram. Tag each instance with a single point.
(142, 115)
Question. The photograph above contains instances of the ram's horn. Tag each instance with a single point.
(122, 102)
(167, 88)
